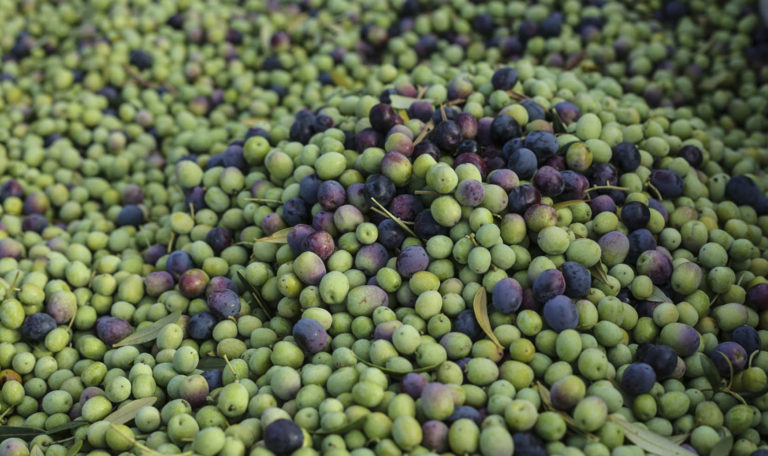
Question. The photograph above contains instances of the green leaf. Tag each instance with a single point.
(598, 272)
(480, 306)
(210, 362)
(546, 400)
(344, 429)
(401, 102)
(128, 412)
(711, 372)
(680, 438)
(658, 296)
(564, 204)
(647, 440)
(149, 332)
(558, 124)
(723, 447)
(75, 447)
(24, 433)
(36, 451)
(67, 426)
(278, 237)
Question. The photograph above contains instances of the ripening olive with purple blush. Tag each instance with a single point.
(224, 303)
(200, 325)
(757, 297)
(656, 265)
(540, 216)
(412, 260)
(575, 185)
(370, 258)
(309, 268)
(399, 142)
(62, 306)
(614, 247)
(112, 329)
(297, 238)
(192, 283)
(568, 112)
(218, 238)
(435, 436)
(34, 222)
(507, 296)
(382, 117)
(178, 262)
(11, 188)
(473, 159)
(220, 283)
(132, 194)
(413, 384)
(729, 356)
(467, 124)
(470, 193)
(331, 195)
(36, 203)
(523, 197)
(321, 243)
(397, 167)
(504, 178)
(602, 203)
(323, 221)
(549, 181)
(158, 282)
(684, 339)
(194, 389)
(386, 329)
(11, 248)
(405, 207)
(560, 313)
(310, 335)
(153, 253)
(548, 284)
(347, 217)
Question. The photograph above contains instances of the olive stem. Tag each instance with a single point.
(170, 242)
(394, 219)
(232, 369)
(263, 200)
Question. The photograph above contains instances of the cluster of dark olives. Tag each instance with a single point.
(383, 228)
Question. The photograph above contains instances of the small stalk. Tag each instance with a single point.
(170, 242)
(263, 200)
(394, 219)
(232, 369)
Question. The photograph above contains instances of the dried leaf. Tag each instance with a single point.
(73, 450)
(480, 306)
(24, 433)
(658, 296)
(564, 204)
(128, 412)
(544, 395)
(723, 447)
(210, 363)
(344, 429)
(149, 332)
(647, 440)
(404, 114)
(278, 237)
(401, 102)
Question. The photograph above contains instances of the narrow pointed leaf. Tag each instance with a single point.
(75, 447)
(658, 296)
(67, 426)
(723, 447)
(564, 204)
(128, 412)
(680, 438)
(36, 451)
(480, 306)
(647, 440)
(401, 102)
(210, 363)
(150, 332)
(24, 433)
(558, 124)
(598, 272)
(278, 237)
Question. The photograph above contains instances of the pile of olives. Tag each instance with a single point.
(383, 228)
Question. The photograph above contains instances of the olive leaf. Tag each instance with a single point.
(75, 448)
(67, 426)
(723, 447)
(36, 451)
(680, 438)
(658, 296)
(357, 424)
(210, 362)
(546, 400)
(599, 273)
(647, 440)
(480, 306)
(278, 237)
(389, 371)
(255, 294)
(128, 412)
(558, 124)
(711, 373)
(564, 204)
(149, 332)
(24, 433)
(401, 102)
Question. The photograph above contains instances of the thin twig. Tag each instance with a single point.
(394, 218)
